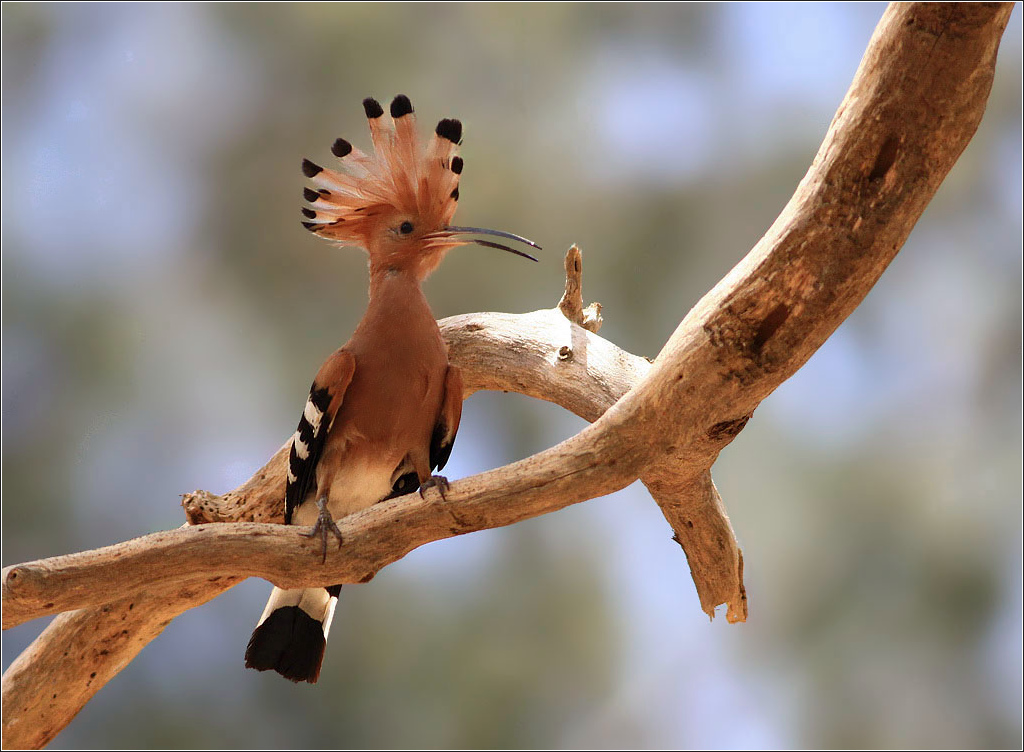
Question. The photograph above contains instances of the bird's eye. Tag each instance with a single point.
(405, 228)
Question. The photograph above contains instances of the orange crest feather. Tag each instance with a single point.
(400, 178)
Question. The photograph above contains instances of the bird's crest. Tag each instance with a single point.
(419, 186)
(400, 176)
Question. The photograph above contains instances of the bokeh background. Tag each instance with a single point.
(164, 311)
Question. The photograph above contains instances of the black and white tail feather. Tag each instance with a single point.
(291, 635)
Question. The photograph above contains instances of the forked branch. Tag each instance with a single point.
(914, 104)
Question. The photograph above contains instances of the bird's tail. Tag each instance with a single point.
(292, 633)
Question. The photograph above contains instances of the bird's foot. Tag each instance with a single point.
(324, 524)
(435, 481)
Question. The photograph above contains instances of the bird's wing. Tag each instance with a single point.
(447, 425)
(325, 397)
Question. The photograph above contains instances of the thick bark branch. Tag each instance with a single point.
(78, 653)
(694, 509)
(914, 104)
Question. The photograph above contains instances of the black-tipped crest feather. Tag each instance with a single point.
(341, 148)
(451, 129)
(400, 106)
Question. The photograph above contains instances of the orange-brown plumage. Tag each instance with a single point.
(384, 409)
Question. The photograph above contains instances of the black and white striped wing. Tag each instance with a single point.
(325, 397)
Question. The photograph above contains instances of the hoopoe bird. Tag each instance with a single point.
(384, 409)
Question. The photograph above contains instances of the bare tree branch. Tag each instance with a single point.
(534, 486)
(914, 104)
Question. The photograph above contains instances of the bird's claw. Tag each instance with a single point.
(324, 524)
(435, 481)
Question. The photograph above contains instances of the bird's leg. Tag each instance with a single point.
(435, 481)
(324, 524)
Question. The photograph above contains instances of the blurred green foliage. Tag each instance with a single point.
(163, 312)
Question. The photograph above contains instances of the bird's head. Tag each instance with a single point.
(397, 204)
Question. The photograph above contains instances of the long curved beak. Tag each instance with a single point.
(458, 232)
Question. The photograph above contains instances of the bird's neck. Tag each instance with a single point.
(389, 284)
(397, 308)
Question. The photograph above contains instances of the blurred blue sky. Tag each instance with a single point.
(135, 335)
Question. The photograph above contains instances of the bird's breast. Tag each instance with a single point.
(393, 401)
